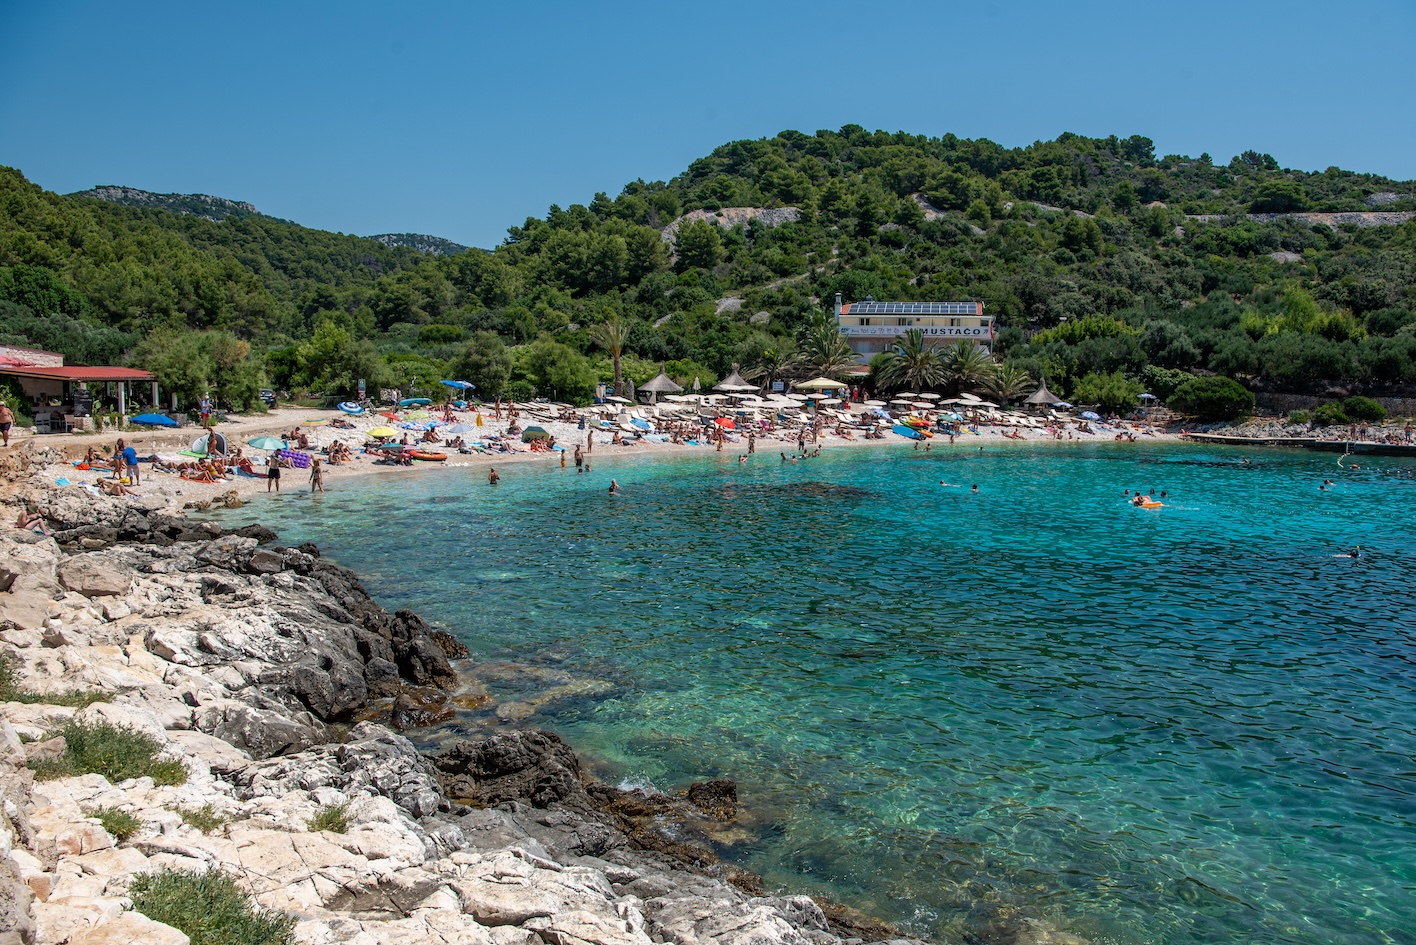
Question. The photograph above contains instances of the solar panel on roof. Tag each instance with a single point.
(914, 308)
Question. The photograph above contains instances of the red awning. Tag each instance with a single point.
(77, 374)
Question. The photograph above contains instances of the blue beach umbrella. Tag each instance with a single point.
(153, 420)
(1088, 415)
(460, 385)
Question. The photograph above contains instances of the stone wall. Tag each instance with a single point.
(731, 216)
(1283, 403)
(1334, 220)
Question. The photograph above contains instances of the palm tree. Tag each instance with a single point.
(966, 366)
(823, 349)
(1009, 383)
(911, 363)
(769, 365)
(613, 336)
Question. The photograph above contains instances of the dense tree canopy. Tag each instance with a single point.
(1098, 259)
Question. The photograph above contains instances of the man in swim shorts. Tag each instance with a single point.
(7, 419)
(130, 460)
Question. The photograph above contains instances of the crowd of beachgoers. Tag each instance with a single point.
(304, 449)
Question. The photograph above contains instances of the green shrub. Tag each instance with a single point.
(1110, 392)
(12, 691)
(1212, 398)
(1299, 416)
(331, 817)
(204, 818)
(119, 823)
(1364, 408)
(1330, 415)
(209, 907)
(116, 753)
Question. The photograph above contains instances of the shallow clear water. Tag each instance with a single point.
(961, 712)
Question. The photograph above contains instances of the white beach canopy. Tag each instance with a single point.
(820, 383)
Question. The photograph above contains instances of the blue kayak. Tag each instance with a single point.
(910, 432)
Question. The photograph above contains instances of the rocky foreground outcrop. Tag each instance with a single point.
(254, 666)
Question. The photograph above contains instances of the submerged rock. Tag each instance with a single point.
(420, 708)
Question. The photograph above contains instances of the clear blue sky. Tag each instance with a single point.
(460, 119)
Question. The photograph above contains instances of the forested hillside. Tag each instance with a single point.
(1086, 250)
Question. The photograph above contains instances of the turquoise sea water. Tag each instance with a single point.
(961, 712)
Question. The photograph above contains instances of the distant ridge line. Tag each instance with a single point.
(433, 245)
(199, 205)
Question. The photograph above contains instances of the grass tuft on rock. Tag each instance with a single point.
(115, 752)
(204, 818)
(209, 908)
(331, 817)
(119, 823)
(12, 691)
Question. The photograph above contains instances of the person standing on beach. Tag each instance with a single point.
(130, 459)
(7, 419)
(316, 477)
(273, 474)
(752, 441)
(118, 459)
(589, 442)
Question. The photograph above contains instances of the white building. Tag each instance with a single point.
(871, 327)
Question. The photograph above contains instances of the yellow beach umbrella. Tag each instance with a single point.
(383, 431)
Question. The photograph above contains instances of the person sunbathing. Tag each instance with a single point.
(95, 460)
(431, 436)
(114, 487)
(31, 520)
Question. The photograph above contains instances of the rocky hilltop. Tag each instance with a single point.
(201, 205)
(276, 683)
(432, 245)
